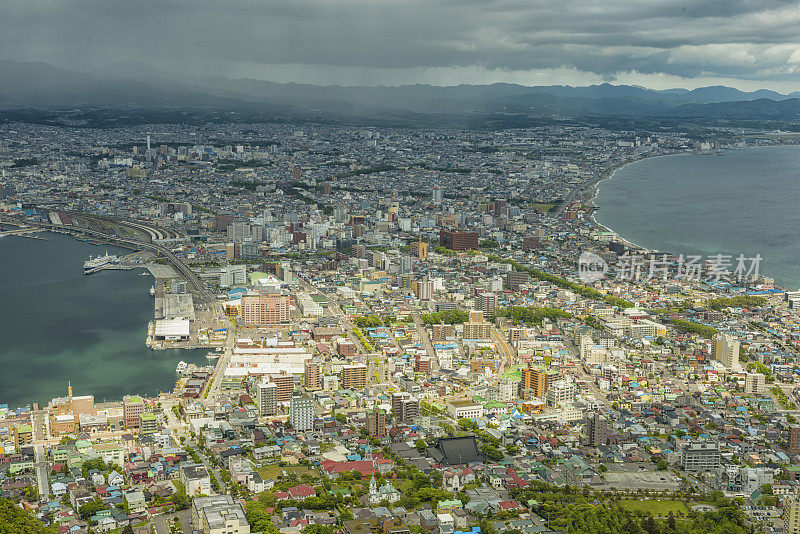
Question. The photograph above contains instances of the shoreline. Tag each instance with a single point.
(593, 188)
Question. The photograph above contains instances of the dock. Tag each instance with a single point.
(112, 267)
(24, 232)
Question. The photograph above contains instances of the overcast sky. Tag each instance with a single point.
(655, 43)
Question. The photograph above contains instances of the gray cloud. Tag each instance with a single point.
(409, 41)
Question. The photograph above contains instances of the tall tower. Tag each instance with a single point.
(437, 192)
(148, 143)
(69, 390)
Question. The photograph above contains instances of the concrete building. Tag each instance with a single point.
(597, 430)
(312, 378)
(132, 408)
(791, 514)
(233, 275)
(486, 302)
(419, 249)
(301, 412)
(464, 409)
(265, 309)
(754, 384)
(267, 398)
(376, 422)
(702, 456)
(404, 406)
(559, 392)
(458, 240)
(195, 480)
(794, 439)
(725, 349)
(285, 384)
(354, 376)
(218, 515)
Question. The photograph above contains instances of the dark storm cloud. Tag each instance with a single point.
(738, 39)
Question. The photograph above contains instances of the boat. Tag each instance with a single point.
(152, 291)
(212, 356)
(182, 365)
(94, 264)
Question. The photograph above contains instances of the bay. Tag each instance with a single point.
(738, 202)
(59, 325)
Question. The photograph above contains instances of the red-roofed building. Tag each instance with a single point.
(508, 505)
(303, 491)
(334, 469)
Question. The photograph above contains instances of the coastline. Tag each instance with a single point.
(588, 193)
(107, 355)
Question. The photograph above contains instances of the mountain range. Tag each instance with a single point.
(134, 85)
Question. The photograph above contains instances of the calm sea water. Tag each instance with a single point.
(56, 324)
(741, 202)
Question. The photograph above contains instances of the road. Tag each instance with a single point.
(222, 364)
(426, 340)
(42, 472)
(497, 336)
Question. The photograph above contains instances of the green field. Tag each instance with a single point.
(656, 508)
(544, 206)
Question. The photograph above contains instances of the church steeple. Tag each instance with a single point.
(373, 486)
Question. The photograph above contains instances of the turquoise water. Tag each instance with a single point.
(56, 324)
(741, 202)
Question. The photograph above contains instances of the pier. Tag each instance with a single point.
(24, 232)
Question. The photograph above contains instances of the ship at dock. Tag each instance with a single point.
(95, 264)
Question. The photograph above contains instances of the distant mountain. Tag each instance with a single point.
(137, 85)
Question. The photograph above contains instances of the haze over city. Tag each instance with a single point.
(399, 267)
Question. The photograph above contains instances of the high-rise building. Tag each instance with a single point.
(437, 194)
(725, 349)
(404, 406)
(267, 398)
(486, 302)
(419, 249)
(285, 385)
(312, 379)
(354, 376)
(791, 515)
(794, 439)
(537, 380)
(406, 264)
(515, 279)
(132, 408)
(148, 423)
(425, 290)
(458, 239)
(376, 422)
(597, 430)
(476, 327)
(301, 412)
(754, 384)
(265, 309)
